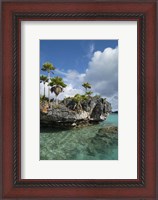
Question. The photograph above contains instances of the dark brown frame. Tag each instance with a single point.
(144, 187)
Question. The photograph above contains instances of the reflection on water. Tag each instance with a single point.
(79, 143)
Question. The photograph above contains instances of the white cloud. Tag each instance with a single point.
(75, 78)
(102, 71)
(114, 101)
(90, 50)
(42, 89)
(102, 74)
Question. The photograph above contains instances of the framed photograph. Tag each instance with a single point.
(79, 100)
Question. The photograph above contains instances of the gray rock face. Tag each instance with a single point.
(66, 115)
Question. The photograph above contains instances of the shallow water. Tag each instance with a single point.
(78, 143)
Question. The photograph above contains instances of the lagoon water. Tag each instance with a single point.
(78, 143)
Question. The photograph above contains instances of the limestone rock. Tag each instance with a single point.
(65, 114)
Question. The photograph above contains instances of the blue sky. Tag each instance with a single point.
(71, 54)
(78, 61)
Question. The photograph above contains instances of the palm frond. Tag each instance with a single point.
(47, 66)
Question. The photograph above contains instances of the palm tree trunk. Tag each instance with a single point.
(56, 100)
(44, 89)
(49, 87)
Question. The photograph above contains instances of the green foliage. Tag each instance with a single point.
(86, 85)
(43, 78)
(79, 98)
(47, 66)
(84, 97)
(89, 93)
(57, 81)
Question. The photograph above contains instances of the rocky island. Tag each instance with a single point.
(74, 111)
(79, 110)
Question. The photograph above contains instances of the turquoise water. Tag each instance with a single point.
(78, 143)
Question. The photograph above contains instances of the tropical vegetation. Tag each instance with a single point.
(86, 86)
(56, 85)
(49, 68)
(43, 79)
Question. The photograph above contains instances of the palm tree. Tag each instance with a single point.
(89, 93)
(57, 84)
(86, 86)
(78, 99)
(49, 68)
(43, 79)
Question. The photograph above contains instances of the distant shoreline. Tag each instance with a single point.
(115, 112)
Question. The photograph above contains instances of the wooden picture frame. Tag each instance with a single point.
(144, 187)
